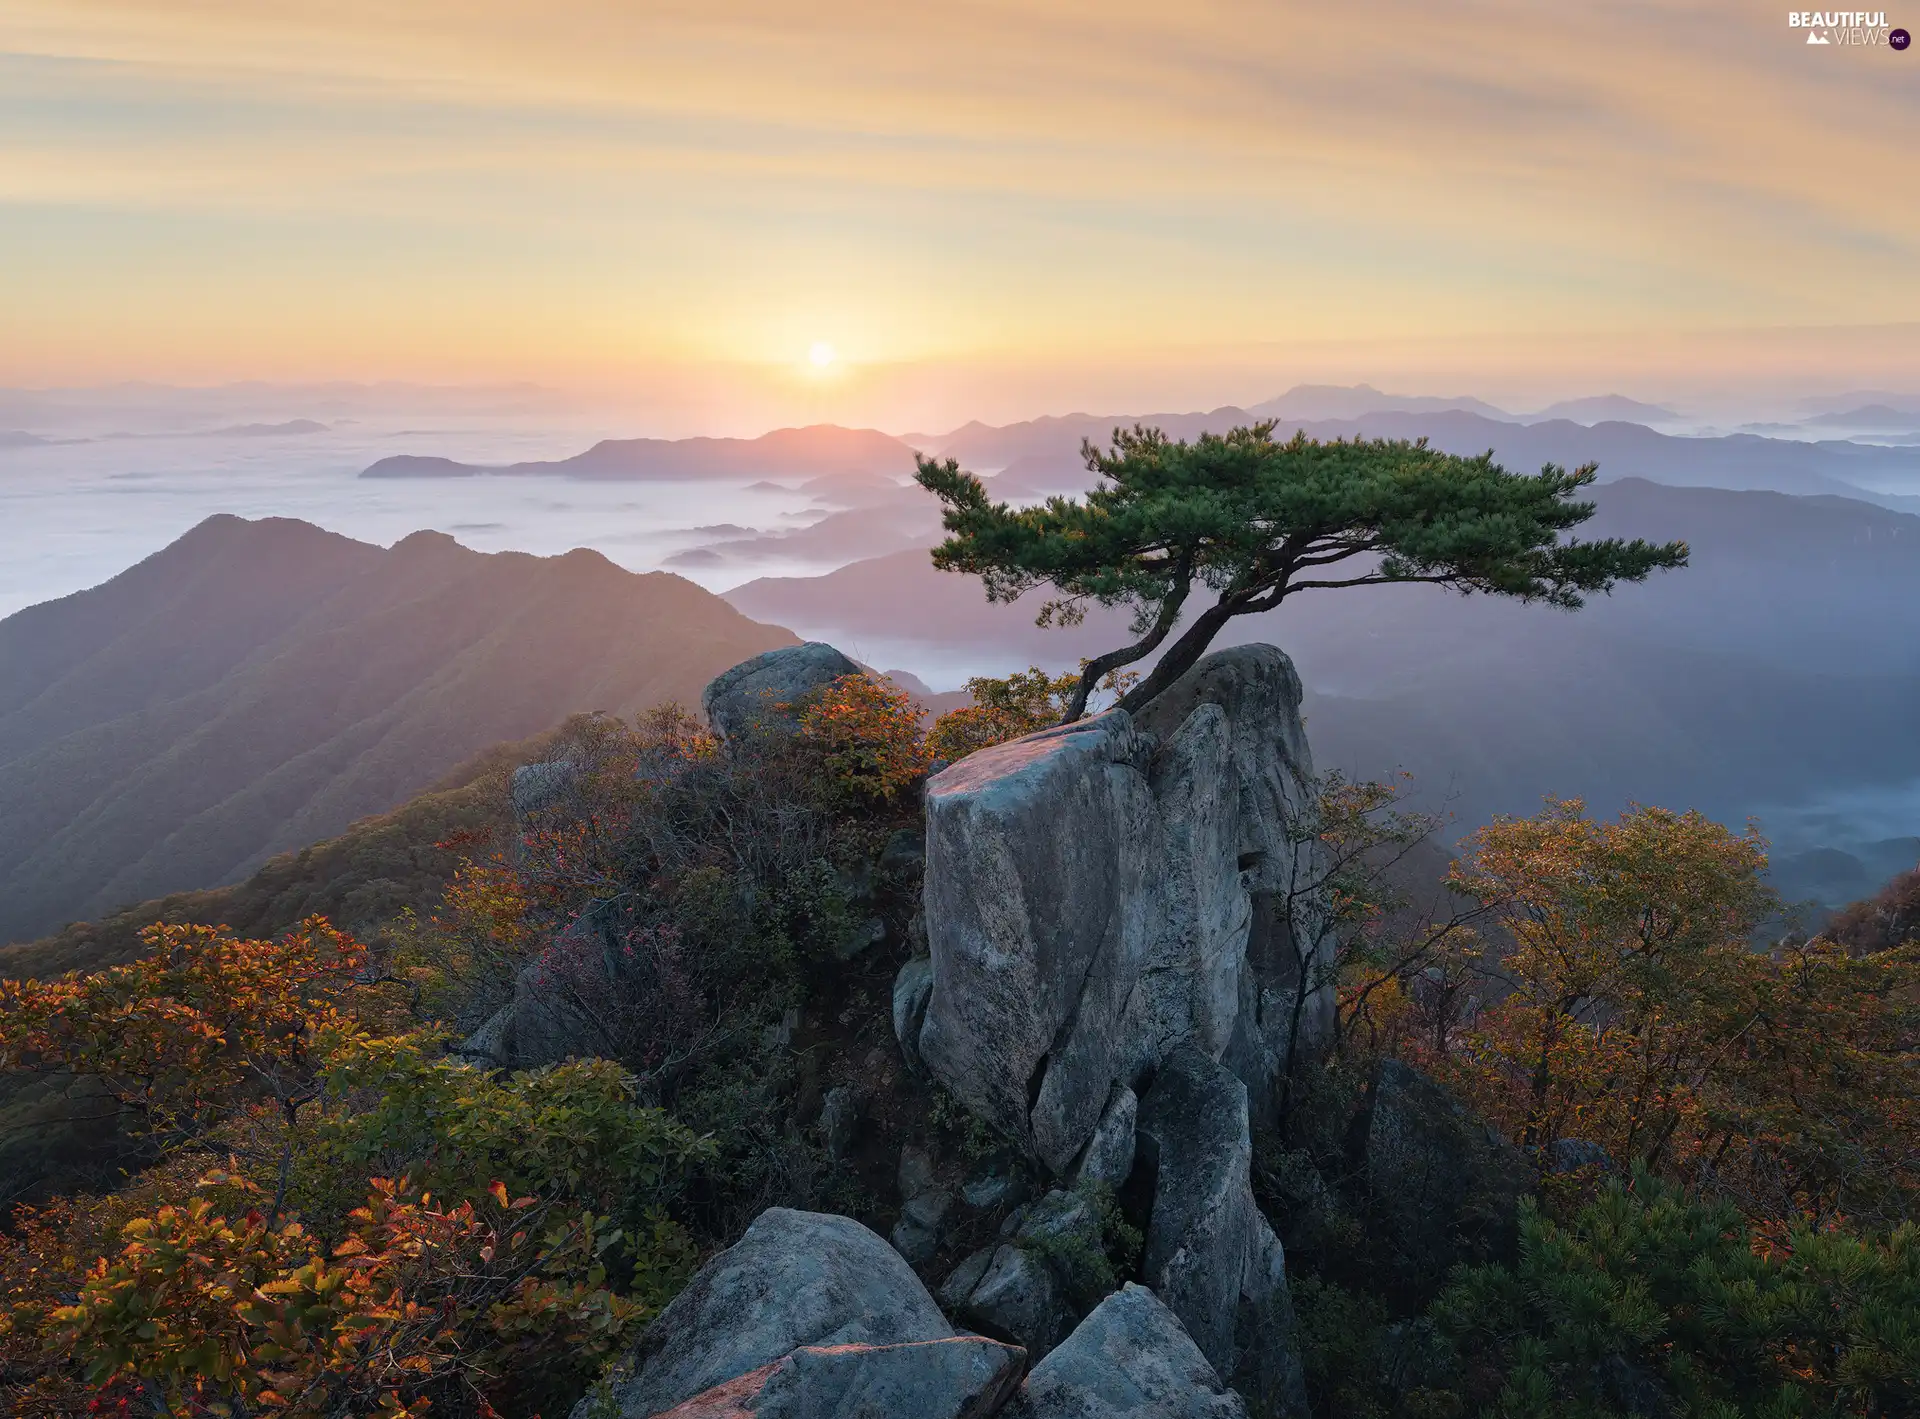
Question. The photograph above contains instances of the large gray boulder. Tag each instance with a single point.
(1092, 893)
(1210, 1255)
(1024, 1290)
(1039, 860)
(748, 699)
(560, 1007)
(1443, 1185)
(794, 1279)
(966, 1377)
(912, 989)
(1129, 1359)
(1015, 1295)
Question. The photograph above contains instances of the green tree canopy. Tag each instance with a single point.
(1254, 521)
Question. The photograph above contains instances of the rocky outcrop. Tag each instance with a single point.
(1443, 1185)
(912, 989)
(1024, 1290)
(1129, 1359)
(795, 1279)
(1284, 1002)
(753, 695)
(1010, 1291)
(1210, 1255)
(549, 1017)
(1102, 893)
(966, 1377)
(924, 1204)
(1107, 1160)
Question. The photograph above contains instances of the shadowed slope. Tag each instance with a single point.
(257, 686)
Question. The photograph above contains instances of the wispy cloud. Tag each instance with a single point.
(541, 186)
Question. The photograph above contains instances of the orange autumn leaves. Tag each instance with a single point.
(174, 1036)
(868, 736)
(222, 1315)
(1631, 1007)
(297, 1279)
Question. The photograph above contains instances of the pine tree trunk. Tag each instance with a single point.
(1181, 656)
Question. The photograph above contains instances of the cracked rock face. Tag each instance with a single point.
(1092, 894)
(966, 1377)
(1210, 1255)
(1129, 1359)
(794, 1279)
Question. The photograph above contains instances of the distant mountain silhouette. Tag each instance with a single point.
(1785, 661)
(1854, 398)
(1342, 401)
(820, 449)
(257, 686)
(290, 426)
(1600, 408)
(862, 467)
(1623, 450)
(1869, 417)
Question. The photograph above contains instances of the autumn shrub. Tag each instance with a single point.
(500, 1304)
(1889, 918)
(574, 1131)
(173, 1040)
(225, 1295)
(867, 734)
(1001, 709)
(293, 1279)
(1634, 1010)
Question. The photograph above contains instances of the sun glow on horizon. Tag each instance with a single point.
(821, 355)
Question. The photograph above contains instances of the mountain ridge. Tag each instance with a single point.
(258, 686)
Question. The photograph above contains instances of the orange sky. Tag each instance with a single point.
(1053, 202)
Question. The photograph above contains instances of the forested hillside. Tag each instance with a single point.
(257, 686)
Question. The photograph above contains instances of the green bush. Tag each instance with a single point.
(1647, 1294)
(573, 1132)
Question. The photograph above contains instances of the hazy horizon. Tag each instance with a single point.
(990, 210)
(123, 470)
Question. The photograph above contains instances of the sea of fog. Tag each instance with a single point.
(74, 514)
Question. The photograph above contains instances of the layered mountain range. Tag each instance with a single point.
(258, 685)
(1045, 452)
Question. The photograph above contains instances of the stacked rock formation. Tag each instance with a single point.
(1119, 918)
(1120, 915)
(814, 1317)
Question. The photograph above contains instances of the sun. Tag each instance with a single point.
(820, 354)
